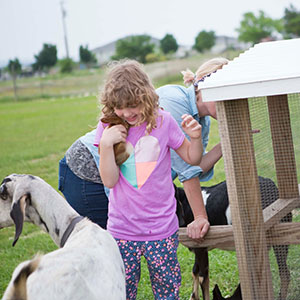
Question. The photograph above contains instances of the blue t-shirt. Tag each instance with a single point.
(88, 141)
(179, 100)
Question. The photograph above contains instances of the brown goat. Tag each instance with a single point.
(121, 154)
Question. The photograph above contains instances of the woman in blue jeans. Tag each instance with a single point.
(80, 182)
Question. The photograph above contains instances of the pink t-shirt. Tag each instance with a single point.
(142, 206)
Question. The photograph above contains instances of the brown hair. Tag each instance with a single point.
(206, 68)
(127, 85)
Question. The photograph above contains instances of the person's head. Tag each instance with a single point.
(129, 93)
(204, 71)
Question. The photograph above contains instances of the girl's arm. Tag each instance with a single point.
(109, 171)
(199, 227)
(191, 151)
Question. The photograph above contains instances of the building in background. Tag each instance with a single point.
(105, 52)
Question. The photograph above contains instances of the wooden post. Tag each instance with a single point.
(244, 197)
(283, 147)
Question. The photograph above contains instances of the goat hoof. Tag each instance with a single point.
(193, 297)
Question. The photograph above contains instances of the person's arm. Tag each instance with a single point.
(191, 151)
(109, 171)
(199, 227)
(210, 158)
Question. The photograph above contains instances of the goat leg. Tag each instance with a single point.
(281, 253)
(200, 274)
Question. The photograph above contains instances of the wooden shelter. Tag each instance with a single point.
(270, 71)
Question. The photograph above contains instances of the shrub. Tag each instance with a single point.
(66, 65)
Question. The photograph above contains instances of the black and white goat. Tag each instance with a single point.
(218, 211)
(87, 266)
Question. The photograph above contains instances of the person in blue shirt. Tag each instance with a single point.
(180, 100)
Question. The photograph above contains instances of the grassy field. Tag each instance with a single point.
(35, 135)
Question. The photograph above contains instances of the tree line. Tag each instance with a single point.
(253, 29)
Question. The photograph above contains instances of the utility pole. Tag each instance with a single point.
(63, 12)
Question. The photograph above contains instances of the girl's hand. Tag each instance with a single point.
(113, 135)
(198, 228)
(191, 127)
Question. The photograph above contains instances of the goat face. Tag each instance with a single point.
(7, 187)
(121, 154)
(6, 197)
(15, 198)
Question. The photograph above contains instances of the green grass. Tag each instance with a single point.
(35, 135)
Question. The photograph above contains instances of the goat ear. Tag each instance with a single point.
(238, 293)
(17, 213)
(217, 293)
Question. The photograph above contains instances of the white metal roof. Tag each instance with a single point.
(269, 68)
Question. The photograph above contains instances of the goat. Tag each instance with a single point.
(87, 266)
(218, 211)
(120, 151)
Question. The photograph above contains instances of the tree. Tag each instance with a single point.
(291, 22)
(134, 47)
(46, 58)
(14, 68)
(168, 44)
(86, 56)
(205, 40)
(253, 29)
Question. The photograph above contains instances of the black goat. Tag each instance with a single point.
(217, 207)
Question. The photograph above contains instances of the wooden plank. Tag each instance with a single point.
(284, 234)
(277, 210)
(283, 147)
(222, 237)
(244, 197)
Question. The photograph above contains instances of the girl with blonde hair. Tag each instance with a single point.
(142, 206)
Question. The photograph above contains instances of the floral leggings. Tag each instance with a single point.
(163, 266)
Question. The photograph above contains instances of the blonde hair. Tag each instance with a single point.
(127, 85)
(205, 69)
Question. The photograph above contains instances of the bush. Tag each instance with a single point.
(154, 57)
(66, 65)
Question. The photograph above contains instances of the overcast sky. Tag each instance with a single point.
(25, 25)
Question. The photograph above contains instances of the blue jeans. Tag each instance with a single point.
(86, 197)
